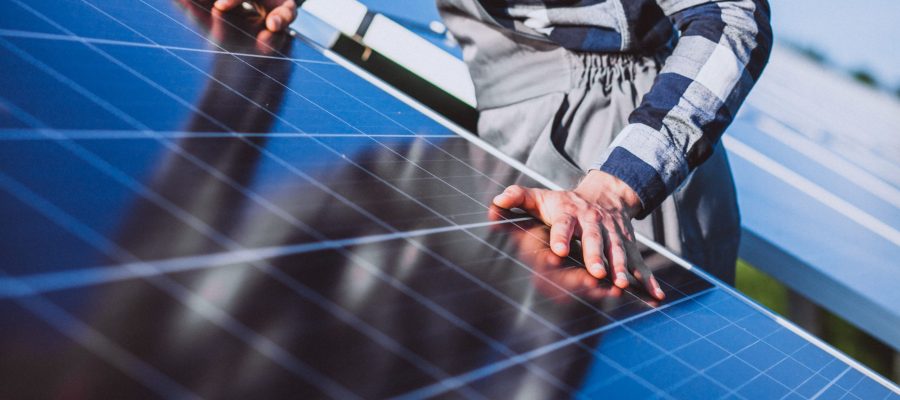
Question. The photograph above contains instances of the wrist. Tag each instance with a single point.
(604, 189)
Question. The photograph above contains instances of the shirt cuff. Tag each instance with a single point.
(648, 162)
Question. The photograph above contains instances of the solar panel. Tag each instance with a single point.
(188, 214)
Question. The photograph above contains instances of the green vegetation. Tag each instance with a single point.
(864, 77)
(861, 75)
(812, 54)
(836, 331)
(762, 288)
(858, 344)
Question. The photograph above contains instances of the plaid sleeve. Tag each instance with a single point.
(720, 54)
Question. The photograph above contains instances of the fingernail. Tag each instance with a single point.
(660, 294)
(621, 279)
(276, 23)
(596, 268)
(559, 248)
(220, 4)
(498, 197)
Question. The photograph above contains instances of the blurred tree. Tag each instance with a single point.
(864, 77)
(813, 54)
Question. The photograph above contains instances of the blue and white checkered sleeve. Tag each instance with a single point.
(720, 54)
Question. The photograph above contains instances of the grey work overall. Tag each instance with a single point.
(556, 111)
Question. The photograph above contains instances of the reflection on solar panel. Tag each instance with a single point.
(194, 217)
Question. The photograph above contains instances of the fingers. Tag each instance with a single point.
(603, 233)
(264, 41)
(277, 19)
(561, 230)
(282, 16)
(615, 253)
(649, 282)
(225, 5)
(592, 246)
(516, 196)
(642, 272)
(494, 214)
(653, 288)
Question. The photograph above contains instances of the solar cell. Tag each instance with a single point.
(187, 214)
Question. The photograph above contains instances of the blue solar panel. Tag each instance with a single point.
(194, 218)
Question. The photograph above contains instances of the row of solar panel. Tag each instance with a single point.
(159, 250)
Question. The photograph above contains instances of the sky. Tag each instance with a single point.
(852, 34)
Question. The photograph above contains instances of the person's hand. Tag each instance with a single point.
(599, 211)
(555, 277)
(278, 13)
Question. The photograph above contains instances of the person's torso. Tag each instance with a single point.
(602, 26)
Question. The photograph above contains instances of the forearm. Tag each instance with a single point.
(720, 55)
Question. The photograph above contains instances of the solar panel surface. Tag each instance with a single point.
(188, 213)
